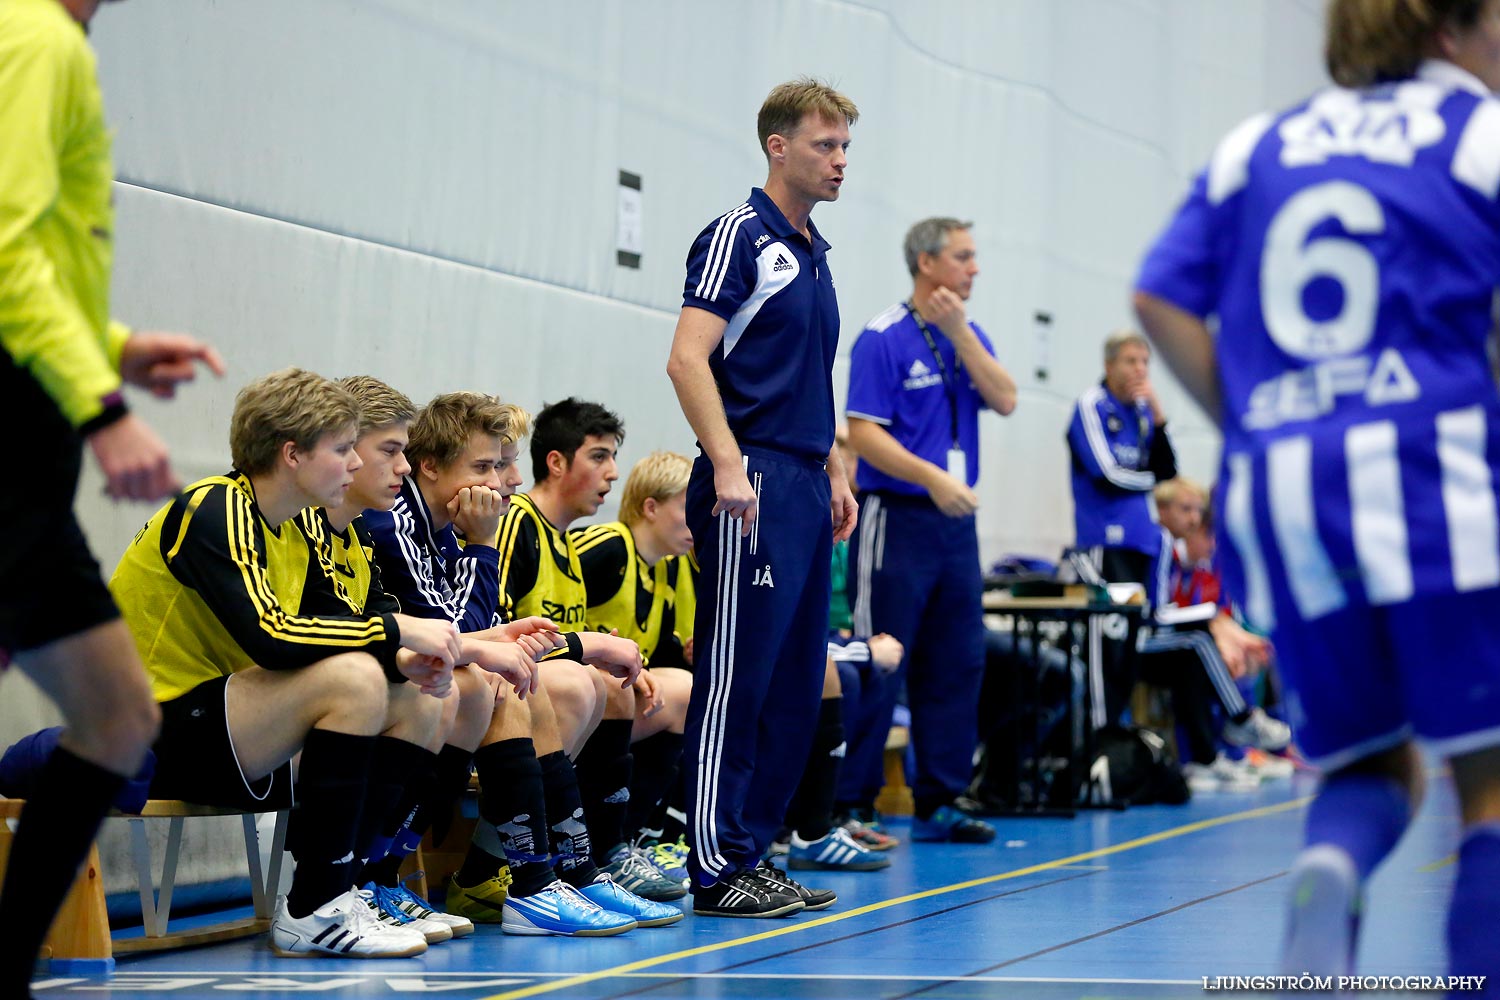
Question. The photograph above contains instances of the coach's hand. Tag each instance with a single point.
(844, 508)
(732, 487)
(134, 460)
(945, 310)
(951, 496)
(160, 362)
(475, 512)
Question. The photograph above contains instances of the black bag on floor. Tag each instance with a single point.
(1135, 767)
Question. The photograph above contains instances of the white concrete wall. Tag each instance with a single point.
(426, 191)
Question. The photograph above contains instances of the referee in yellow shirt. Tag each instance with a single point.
(61, 371)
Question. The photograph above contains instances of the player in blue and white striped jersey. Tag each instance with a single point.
(1350, 248)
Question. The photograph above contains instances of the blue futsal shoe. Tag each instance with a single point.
(610, 895)
(835, 851)
(670, 858)
(953, 825)
(563, 910)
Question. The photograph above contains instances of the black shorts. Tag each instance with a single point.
(50, 586)
(195, 759)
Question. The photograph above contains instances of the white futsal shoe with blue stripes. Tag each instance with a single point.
(563, 910)
(344, 927)
(835, 851)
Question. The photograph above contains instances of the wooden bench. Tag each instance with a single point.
(80, 942)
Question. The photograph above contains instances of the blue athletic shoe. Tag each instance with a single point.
(563, 910)
(608, 894)
(835, 851)
(385, 907)
(953, 825)
(416, 907)
(671, 858)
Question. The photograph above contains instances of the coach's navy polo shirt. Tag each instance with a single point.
(896, 382)
(774, 366)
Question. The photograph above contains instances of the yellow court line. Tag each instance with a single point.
(1438, 865)
(801, 925)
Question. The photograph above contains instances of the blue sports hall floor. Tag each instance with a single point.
(1140, 903)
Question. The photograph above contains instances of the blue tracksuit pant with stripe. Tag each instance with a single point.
(914, 573)
(759, 643)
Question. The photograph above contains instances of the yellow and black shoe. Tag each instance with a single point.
(483, 903)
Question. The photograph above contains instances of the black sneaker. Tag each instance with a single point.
(776, 879)
(745, 895)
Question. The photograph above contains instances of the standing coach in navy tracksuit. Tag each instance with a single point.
(752, 363)
(919, 374)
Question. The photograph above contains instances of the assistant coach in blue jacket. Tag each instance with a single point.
(1118, 439)
(919, 374)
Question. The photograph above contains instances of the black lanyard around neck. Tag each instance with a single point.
(950, 390)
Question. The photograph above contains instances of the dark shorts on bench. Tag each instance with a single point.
(195, 759)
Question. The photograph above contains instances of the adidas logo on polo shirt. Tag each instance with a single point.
(782, 264)
(918, 369)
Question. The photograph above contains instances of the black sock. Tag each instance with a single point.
(410, 769)
(811, 810)
(395, 769)
(569, 832)
(331, 788)
(603, 769)
(655, 770)
(57, 826)
(450, 780)
(513, 819)
(674, 810)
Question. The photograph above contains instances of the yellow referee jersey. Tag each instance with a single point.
(56, 222)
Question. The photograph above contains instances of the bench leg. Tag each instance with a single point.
(140, 853)
(278, 855)
(252, 857)
(79, 944)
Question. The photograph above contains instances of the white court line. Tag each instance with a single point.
(496, 974)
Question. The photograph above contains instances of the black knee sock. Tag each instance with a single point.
(331, 789)
(58, 823)
(655, 770)
(569, 832)
(811, 810)
(674, 810)
(400, 775)
(603, 769)
(513, 819)
(450, 780)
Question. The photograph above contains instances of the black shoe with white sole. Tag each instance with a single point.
(745, 894)
(776, 879)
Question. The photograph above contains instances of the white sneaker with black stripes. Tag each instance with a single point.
(344, 927)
